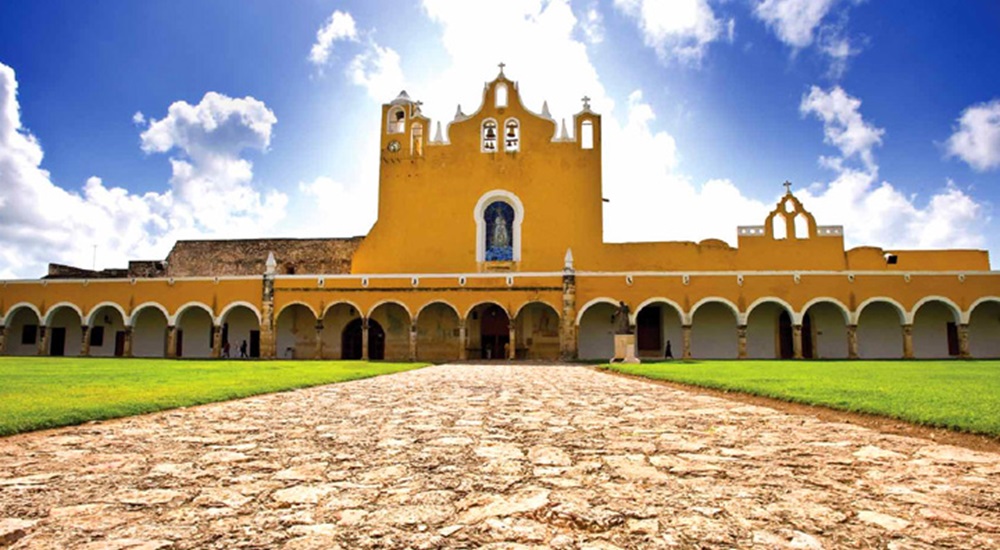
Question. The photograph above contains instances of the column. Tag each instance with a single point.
(685, 341)
(216, 341)
(797, 341)
(512, 346)
(413, 342)
(3, 340)
(318, 351)
(364, 338)
(852, 341)
(908, 341)
(463, 353)
(43, 340)
(567, 321)
(741, 341)
(171, 341)
(127, 352)
(963, 341)
(85, 341)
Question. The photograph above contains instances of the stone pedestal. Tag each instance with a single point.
(625, 349)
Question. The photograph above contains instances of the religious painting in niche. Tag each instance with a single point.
(499, 232)
(489, 136)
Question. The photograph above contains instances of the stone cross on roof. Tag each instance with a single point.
(788, 187)
(502, 65)
(586, 102)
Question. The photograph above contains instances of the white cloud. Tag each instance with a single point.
(793, 21)
(678, 29)
(138, 118)
(843, 126)
(592, 24)
(878, 213)
(977, 138)
(41, 222)
(800, 23)
(378, 70)
(340, 26)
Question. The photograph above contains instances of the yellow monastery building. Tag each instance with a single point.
(489, 246)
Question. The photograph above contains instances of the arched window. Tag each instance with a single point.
(417, 140)
(801, 227)
(501, 95)
(489, 136)
(396, 121)
(499, 220)
(587, 135)
(779, 227)
(512, 135)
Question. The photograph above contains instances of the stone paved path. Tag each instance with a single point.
(496, 456)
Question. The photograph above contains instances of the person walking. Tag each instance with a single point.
(243, 350)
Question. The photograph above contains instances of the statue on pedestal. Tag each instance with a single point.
(621, 319)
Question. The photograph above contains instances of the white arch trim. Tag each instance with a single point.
(826, 299)
(51, 310)
(12, 309)
(233, 305)
(594, 302)
(172, 320)
(480, 220)
(856, 314)
(468, 312)
(528, 303)
(332, 305)
(955, 310)
(112, 305)
(795, 317)
(657, 300)
(442, 302)
(294, 303)
(967, 315)
(381, 303)
(740, 319)
(155, 305)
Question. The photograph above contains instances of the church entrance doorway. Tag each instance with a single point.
(494, 331)
(785, 348)
(648, 331)
(57, 341)
(351, 341)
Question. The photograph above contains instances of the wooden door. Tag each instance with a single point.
(648, 329)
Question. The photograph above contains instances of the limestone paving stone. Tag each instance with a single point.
(491, 456)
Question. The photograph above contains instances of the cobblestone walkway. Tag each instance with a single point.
(498, 456)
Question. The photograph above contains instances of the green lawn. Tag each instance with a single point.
(960, 395)
(46, 392)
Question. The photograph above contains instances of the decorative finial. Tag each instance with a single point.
(271, 264)
(586, 103)
(564, 135)
(459, 115)
(788, 187)
(568, 260)
(502, 65)
(437, 135)
(545, 110)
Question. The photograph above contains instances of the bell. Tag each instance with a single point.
(510, 131)
(490, 134)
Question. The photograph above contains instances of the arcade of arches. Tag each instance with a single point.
(438, 331)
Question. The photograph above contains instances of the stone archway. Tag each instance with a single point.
(64, 328)
(438, 333)
(713, 332)
(880, 331)
(295, 333)
(149, 332)
(393, 320)
(536, 332)
(22, 333)
(984, 329)
(352, 340)
(241, 329)
(489, 331)
(658, 323)
(335, 320)
(769, 332)
(193, 337)
(596, 338)
(107, 332)
(828, 329)
(935, 331)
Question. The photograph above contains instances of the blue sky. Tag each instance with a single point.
(135, 124)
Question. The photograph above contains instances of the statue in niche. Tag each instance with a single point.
(499, 221)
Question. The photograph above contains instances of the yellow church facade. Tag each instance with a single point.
(489, 245)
